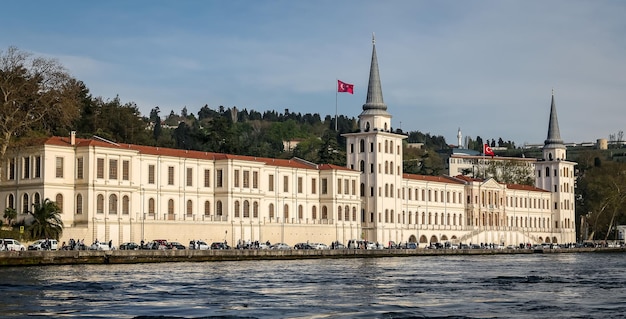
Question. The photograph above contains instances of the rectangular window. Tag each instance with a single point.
(150, 174)
(270, 183)
(26, 166)
(37, 167)
(346, 187)
(113, 169)
(246, 179)
(59, 167)
(255, 180)
(189, 176)
(100, 168)
(79, 168)
(236, 178)
(286, 184)
(299, 185)
(170, 175)
(125, 170)
(353, 187)
(207, 178)
(314, 186)
(339, 186)
(324, 186)
(219, 178)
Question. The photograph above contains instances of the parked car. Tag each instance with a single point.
(219, 245)
(157, 244)
(263, 246)
(411, 245)
(280, 246)
(101, 246)
(175, 245)
(11, 244)
(40, 244)
(199, 245)
(319, 246)
(302, 246)
(129, 246)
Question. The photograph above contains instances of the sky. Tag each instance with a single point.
(486, 67)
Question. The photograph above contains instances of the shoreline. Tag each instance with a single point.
(79, 257)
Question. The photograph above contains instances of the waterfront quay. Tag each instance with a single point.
(72, 257)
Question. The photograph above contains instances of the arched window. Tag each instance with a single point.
(125, 205)
(362, 146)
(362, 166)
(386, 167)
(150, 206)
(246, 209)
(271, 211)
(547, 172)
(314, 212)
(300, 212)
(324, 212)
(353, 213)
(391, 167)
(170, 207)
(25, 204)
(207, 208)
(347, 212)
(255, 210)
(339, 213)
(189, 208)
(36, 198)
(11, 201)
(218, 208)
(100, 204)
(386, 145)
(236, 208)
(79, 204)
(362, 189)
(286, 211)
(112, 204)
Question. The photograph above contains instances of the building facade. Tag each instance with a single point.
(124, 192)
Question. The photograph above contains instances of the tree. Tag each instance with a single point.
(47, 221)
(35, 92)
(10, 214)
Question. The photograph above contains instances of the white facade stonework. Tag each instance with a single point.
(123, 192)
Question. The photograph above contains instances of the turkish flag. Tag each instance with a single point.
(345, 87)
(488, 151)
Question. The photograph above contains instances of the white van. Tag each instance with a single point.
(40, 245)
(11, 244)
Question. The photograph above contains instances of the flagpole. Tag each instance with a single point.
(336, 94)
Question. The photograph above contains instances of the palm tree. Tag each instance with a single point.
(47, 221)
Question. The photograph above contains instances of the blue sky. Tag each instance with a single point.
(487, 67)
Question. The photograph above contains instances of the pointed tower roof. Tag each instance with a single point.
(554, 134)
(374, 102)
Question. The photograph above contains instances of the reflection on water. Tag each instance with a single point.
(520, 286)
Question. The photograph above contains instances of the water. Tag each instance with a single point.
(589, 285)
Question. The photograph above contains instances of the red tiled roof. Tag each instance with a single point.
(428, 178)
(525, 188)
(153, 150)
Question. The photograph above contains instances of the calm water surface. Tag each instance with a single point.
(590, 285)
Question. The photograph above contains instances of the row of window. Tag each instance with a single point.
(388, 147)
(27, 203)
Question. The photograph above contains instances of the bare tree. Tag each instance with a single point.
(35, 92)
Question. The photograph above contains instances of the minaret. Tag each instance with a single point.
(459, 139)
(377, 153)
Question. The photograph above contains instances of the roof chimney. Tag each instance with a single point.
(73, 138)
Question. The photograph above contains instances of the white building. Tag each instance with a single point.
(122, 192)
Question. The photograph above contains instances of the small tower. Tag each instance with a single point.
(459, 139)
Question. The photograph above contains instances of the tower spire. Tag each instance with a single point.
(554, 134)
(374, 90)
